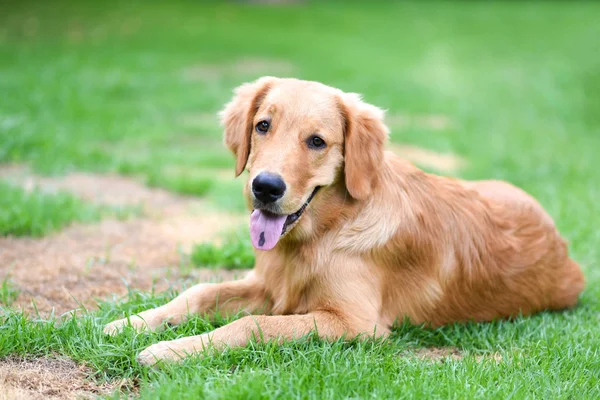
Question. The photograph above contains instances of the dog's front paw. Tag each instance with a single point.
(134, 321)
(175, 350)
(161, 351)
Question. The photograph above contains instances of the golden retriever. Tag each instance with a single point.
(350, 238)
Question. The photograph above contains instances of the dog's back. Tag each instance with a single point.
(473, 250)
(541, 240)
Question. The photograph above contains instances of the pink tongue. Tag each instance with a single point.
(265, 229)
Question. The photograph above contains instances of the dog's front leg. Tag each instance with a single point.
(247, 295)
(328, 325)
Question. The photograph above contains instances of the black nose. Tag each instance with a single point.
(268, 187)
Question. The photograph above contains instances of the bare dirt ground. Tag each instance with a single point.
(443, 162)
(423, 121)
(441, 354)
(82, 263)
(48, 378)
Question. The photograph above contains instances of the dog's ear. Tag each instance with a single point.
(364, 138)
(237, 118)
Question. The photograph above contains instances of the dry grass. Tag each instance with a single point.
(48, 378)
(442, 354)
(424, 121)
(443, 162)
(112, 190)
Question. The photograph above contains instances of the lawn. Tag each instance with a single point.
(132, 88)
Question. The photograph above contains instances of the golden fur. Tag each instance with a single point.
(381, 240)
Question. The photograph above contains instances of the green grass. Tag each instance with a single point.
(182, 183)
(36, 213)
(131, 87)
(235, 252)
(8, 292)
(548, 355)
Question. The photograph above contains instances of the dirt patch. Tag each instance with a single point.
(48, 378)
(250, 67)
(445, 162)
(425, 121)
(438, 354)
(441, 354)
(82, 263)
(87, 262)
(113, 190)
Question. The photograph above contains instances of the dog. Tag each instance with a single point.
(350, 238)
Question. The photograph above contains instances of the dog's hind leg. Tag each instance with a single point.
(246, 295)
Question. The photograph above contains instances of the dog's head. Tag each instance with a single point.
(298, 139)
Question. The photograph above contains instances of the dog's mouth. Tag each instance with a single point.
(266, 228)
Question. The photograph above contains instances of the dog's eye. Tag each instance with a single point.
(263, 127)
(316, 142)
